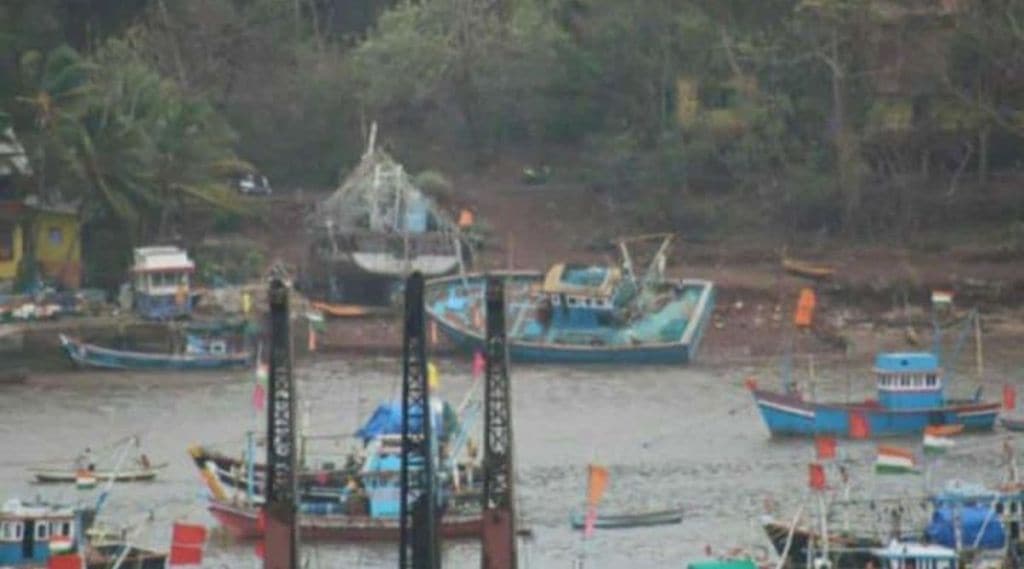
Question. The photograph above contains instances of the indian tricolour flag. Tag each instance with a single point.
(894, 460)
(937, 440)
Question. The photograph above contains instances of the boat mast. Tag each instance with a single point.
(498, 536)
(279, 510)
(419, 547)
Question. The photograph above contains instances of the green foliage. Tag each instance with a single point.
(434, 183)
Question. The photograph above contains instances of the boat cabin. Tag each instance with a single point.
(581, 296)
(916, 556)
(162, 282)
(911, 380)
(29, 532)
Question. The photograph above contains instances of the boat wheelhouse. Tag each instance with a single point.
(911, 397)
(900, 555)
(29, 532)
(162, 283)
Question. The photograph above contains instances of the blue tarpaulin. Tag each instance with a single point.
(972, 519)
(387, 420)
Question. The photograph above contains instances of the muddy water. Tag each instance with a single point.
(670, 436)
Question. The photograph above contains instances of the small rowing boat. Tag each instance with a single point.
(620, 521)
(807, 270)
(67, 476)
(1013, 422)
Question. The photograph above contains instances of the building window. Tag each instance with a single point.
(42, 531)
(56, 235)
(6, 241)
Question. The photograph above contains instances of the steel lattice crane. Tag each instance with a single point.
(279, 510)
(499, 521)
(420, 548)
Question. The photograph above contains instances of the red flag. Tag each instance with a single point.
(859, 426)
(750, 383)
(66, 561)
(259, 397)
(826, 447)
(261, 549)
(1009, 397)
(479, 364)
(187, 541)
(816, 478)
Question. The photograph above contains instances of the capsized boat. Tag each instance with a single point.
(204, 355)
(911, 397)
(632, 520)
(584, 313)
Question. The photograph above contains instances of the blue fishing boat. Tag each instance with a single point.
(32, 532)
(200, 355)
(911, 397)
(583, 313)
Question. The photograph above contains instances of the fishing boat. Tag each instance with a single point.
(242, 522)
(375, 229)
(911, 397)
(32, 532)
(199, 356)
(584, 313)
(620, 521)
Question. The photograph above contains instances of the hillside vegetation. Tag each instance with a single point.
(890, 121)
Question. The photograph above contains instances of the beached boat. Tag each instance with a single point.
(807, 270)
(583, 314)
(621, 521)
(242, 522)
(911, 397)
(375, 229)
(69, 476)
(88, 355)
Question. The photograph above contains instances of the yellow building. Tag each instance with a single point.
(53, 233)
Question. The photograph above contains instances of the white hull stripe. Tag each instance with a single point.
(787, 409)
(981, 413)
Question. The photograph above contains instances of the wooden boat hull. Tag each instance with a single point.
(242, 523)
(226, 476)
(350, 310)
(624, 521)
(807, 270)
(91, 356)
(789, 415)
(469, 337)
(47, 476)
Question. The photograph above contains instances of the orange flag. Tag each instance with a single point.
(805, 308)
(597, 482)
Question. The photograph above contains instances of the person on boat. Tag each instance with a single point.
(144, 461)
(84, 461)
